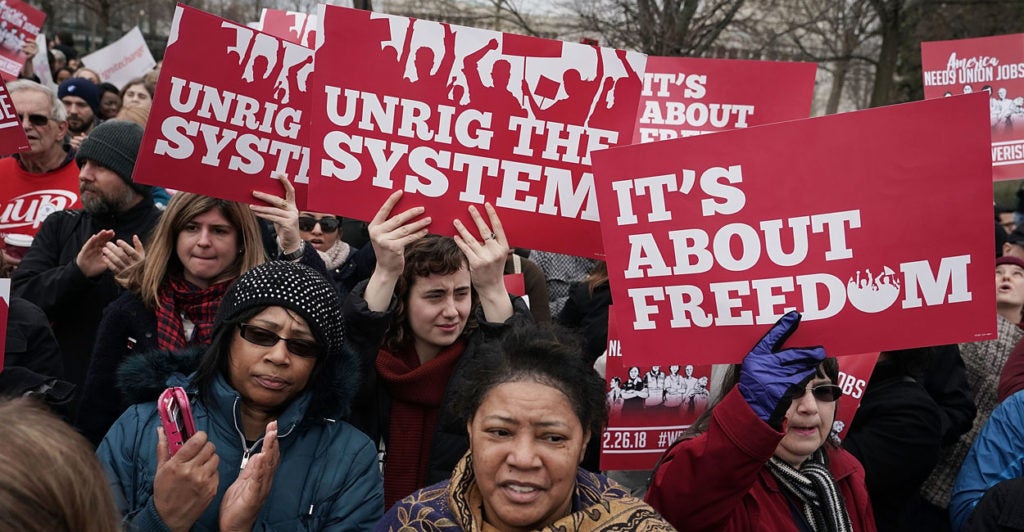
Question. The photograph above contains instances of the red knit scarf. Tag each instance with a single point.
(179, 297)
(416, 392)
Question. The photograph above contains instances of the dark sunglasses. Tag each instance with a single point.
(262, 337)
(328, 224)
(826, 393)
(34, 119)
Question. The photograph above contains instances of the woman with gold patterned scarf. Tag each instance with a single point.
(531, 405)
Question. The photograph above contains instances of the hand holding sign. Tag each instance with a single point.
(487, 262)
(389, 236)
(769, 372)
(283, 213)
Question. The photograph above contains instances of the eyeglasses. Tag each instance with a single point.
(34, 119)
(826, 393)
(262, 337)
(328, 224)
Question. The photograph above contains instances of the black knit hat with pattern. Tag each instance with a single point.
(114, 144)
(296, 287)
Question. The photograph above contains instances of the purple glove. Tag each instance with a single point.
(770, 378)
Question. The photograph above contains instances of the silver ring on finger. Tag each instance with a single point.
(492, 237)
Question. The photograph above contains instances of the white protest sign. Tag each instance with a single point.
(41, 64)
(123, 60)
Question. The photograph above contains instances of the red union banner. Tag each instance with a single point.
(19, 22)
(994, 65)
(222, 125)
(649, 407)
(684, 96)
(709, 239)
(447, 114)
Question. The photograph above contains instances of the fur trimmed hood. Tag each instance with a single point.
(143, 377)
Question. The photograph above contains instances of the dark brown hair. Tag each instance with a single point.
(430, 255)
(597, 276)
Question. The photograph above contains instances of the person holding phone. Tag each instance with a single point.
(200, 246)
(270, 451)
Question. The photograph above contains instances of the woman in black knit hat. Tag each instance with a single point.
(200, 246)
(270, 451)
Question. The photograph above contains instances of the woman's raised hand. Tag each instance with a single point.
(247, 494)
(282, 212)
(389, 236)
(486, 256)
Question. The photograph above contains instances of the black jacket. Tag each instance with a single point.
(587, 314)
(49, 277)
(946, 381)
(30, 343)
(1000, 509)
(897, 435)
(127, 327)
(358, 267)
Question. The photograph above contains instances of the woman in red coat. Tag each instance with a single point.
(763, 458)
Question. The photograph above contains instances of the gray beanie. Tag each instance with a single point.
(114, 144)
(296, 287)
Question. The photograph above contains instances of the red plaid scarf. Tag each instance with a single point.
(416, 392)
(179, 297)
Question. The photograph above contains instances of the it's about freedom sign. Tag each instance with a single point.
(711, 239)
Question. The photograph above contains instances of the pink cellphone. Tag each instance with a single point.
(176, 416)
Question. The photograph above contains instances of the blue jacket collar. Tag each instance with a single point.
(226, 402)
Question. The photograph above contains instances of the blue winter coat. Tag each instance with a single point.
(997, 454)
(328, 477)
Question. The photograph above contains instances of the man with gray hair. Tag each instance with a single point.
(43, 179)
(69, 270)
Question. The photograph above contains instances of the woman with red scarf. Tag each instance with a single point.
(421, 316)
(200, 246)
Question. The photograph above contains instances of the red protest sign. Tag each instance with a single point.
(649, 407)
(19, 22)
(994, 65)
(684, 96)
(709, 239)
(521, 45)
(222, 125)
(452, 118)
(12, 135)
(515, 284)
(292, 26)
(854, 375)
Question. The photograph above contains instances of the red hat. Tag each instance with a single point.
(1007, 259)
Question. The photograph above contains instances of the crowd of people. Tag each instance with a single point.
(345, 375)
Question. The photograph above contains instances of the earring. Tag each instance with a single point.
(241, 251)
